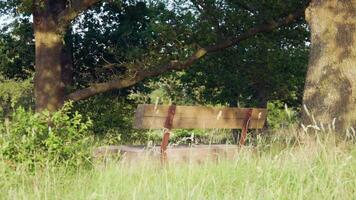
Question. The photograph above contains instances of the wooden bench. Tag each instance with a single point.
(167, 117)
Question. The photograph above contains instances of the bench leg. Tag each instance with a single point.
(164, 144)
(167, 128)
(243, 136)
(245, 127)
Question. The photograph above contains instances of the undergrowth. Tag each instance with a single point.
(30, 139)
(298, 166)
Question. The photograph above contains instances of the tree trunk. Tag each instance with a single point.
(330, 85)
(49, 87)
(67, 60)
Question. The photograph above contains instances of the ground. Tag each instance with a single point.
(313, 167)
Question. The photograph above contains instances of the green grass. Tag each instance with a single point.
(313, 170)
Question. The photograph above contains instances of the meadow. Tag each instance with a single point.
(309, 167)
(73, 72)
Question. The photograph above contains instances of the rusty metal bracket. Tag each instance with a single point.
(245, 127)
(166, 132)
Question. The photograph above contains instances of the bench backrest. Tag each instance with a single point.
(150, 116)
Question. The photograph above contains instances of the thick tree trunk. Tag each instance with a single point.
(330, 85)
(67, 60)
(54, 60)
(49, 87)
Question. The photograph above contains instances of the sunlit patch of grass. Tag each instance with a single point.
(309, 167)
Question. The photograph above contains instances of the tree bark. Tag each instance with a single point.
(67, 60)
(49, 87)
(330, 84)
(54, 59)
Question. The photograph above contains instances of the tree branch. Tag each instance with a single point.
(133, 78)
(73, 9)
(246, 7)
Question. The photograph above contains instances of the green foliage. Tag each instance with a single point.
(17, 49)
(264, 68)
(280, 116)
(115, 37)
(267, 67)
(112, 118)
(166, 89)
(191, 136)
(17, 7)
(15, 93)
(36, 139)
(131, 36)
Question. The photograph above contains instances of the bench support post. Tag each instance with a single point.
(245, 127)
(166, 133)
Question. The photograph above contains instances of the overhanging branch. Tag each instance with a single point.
(73, 9)
(131, 79)
(246, 7)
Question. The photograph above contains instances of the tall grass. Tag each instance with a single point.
(311, 168)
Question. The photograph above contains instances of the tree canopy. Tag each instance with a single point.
(190, 52)
(119, 39)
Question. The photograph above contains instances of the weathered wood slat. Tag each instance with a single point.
(151, 116)
(204, 123)
(176, 154)
(185, 111)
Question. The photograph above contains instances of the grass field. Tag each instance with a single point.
(312, 170)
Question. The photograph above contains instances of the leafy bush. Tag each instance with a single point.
(280, 116)
(15, 93)
(39, 138)
(113, 116)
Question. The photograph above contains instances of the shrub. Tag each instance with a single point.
(280, 116)
(15, 93)
(41, 138)
(113, 116)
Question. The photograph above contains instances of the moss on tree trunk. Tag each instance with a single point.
(49, 42)
(331, 79)
(54, 61)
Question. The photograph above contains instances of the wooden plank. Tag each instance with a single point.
(149, 117)
(176, 154)
(184, 111)
(194, 122)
